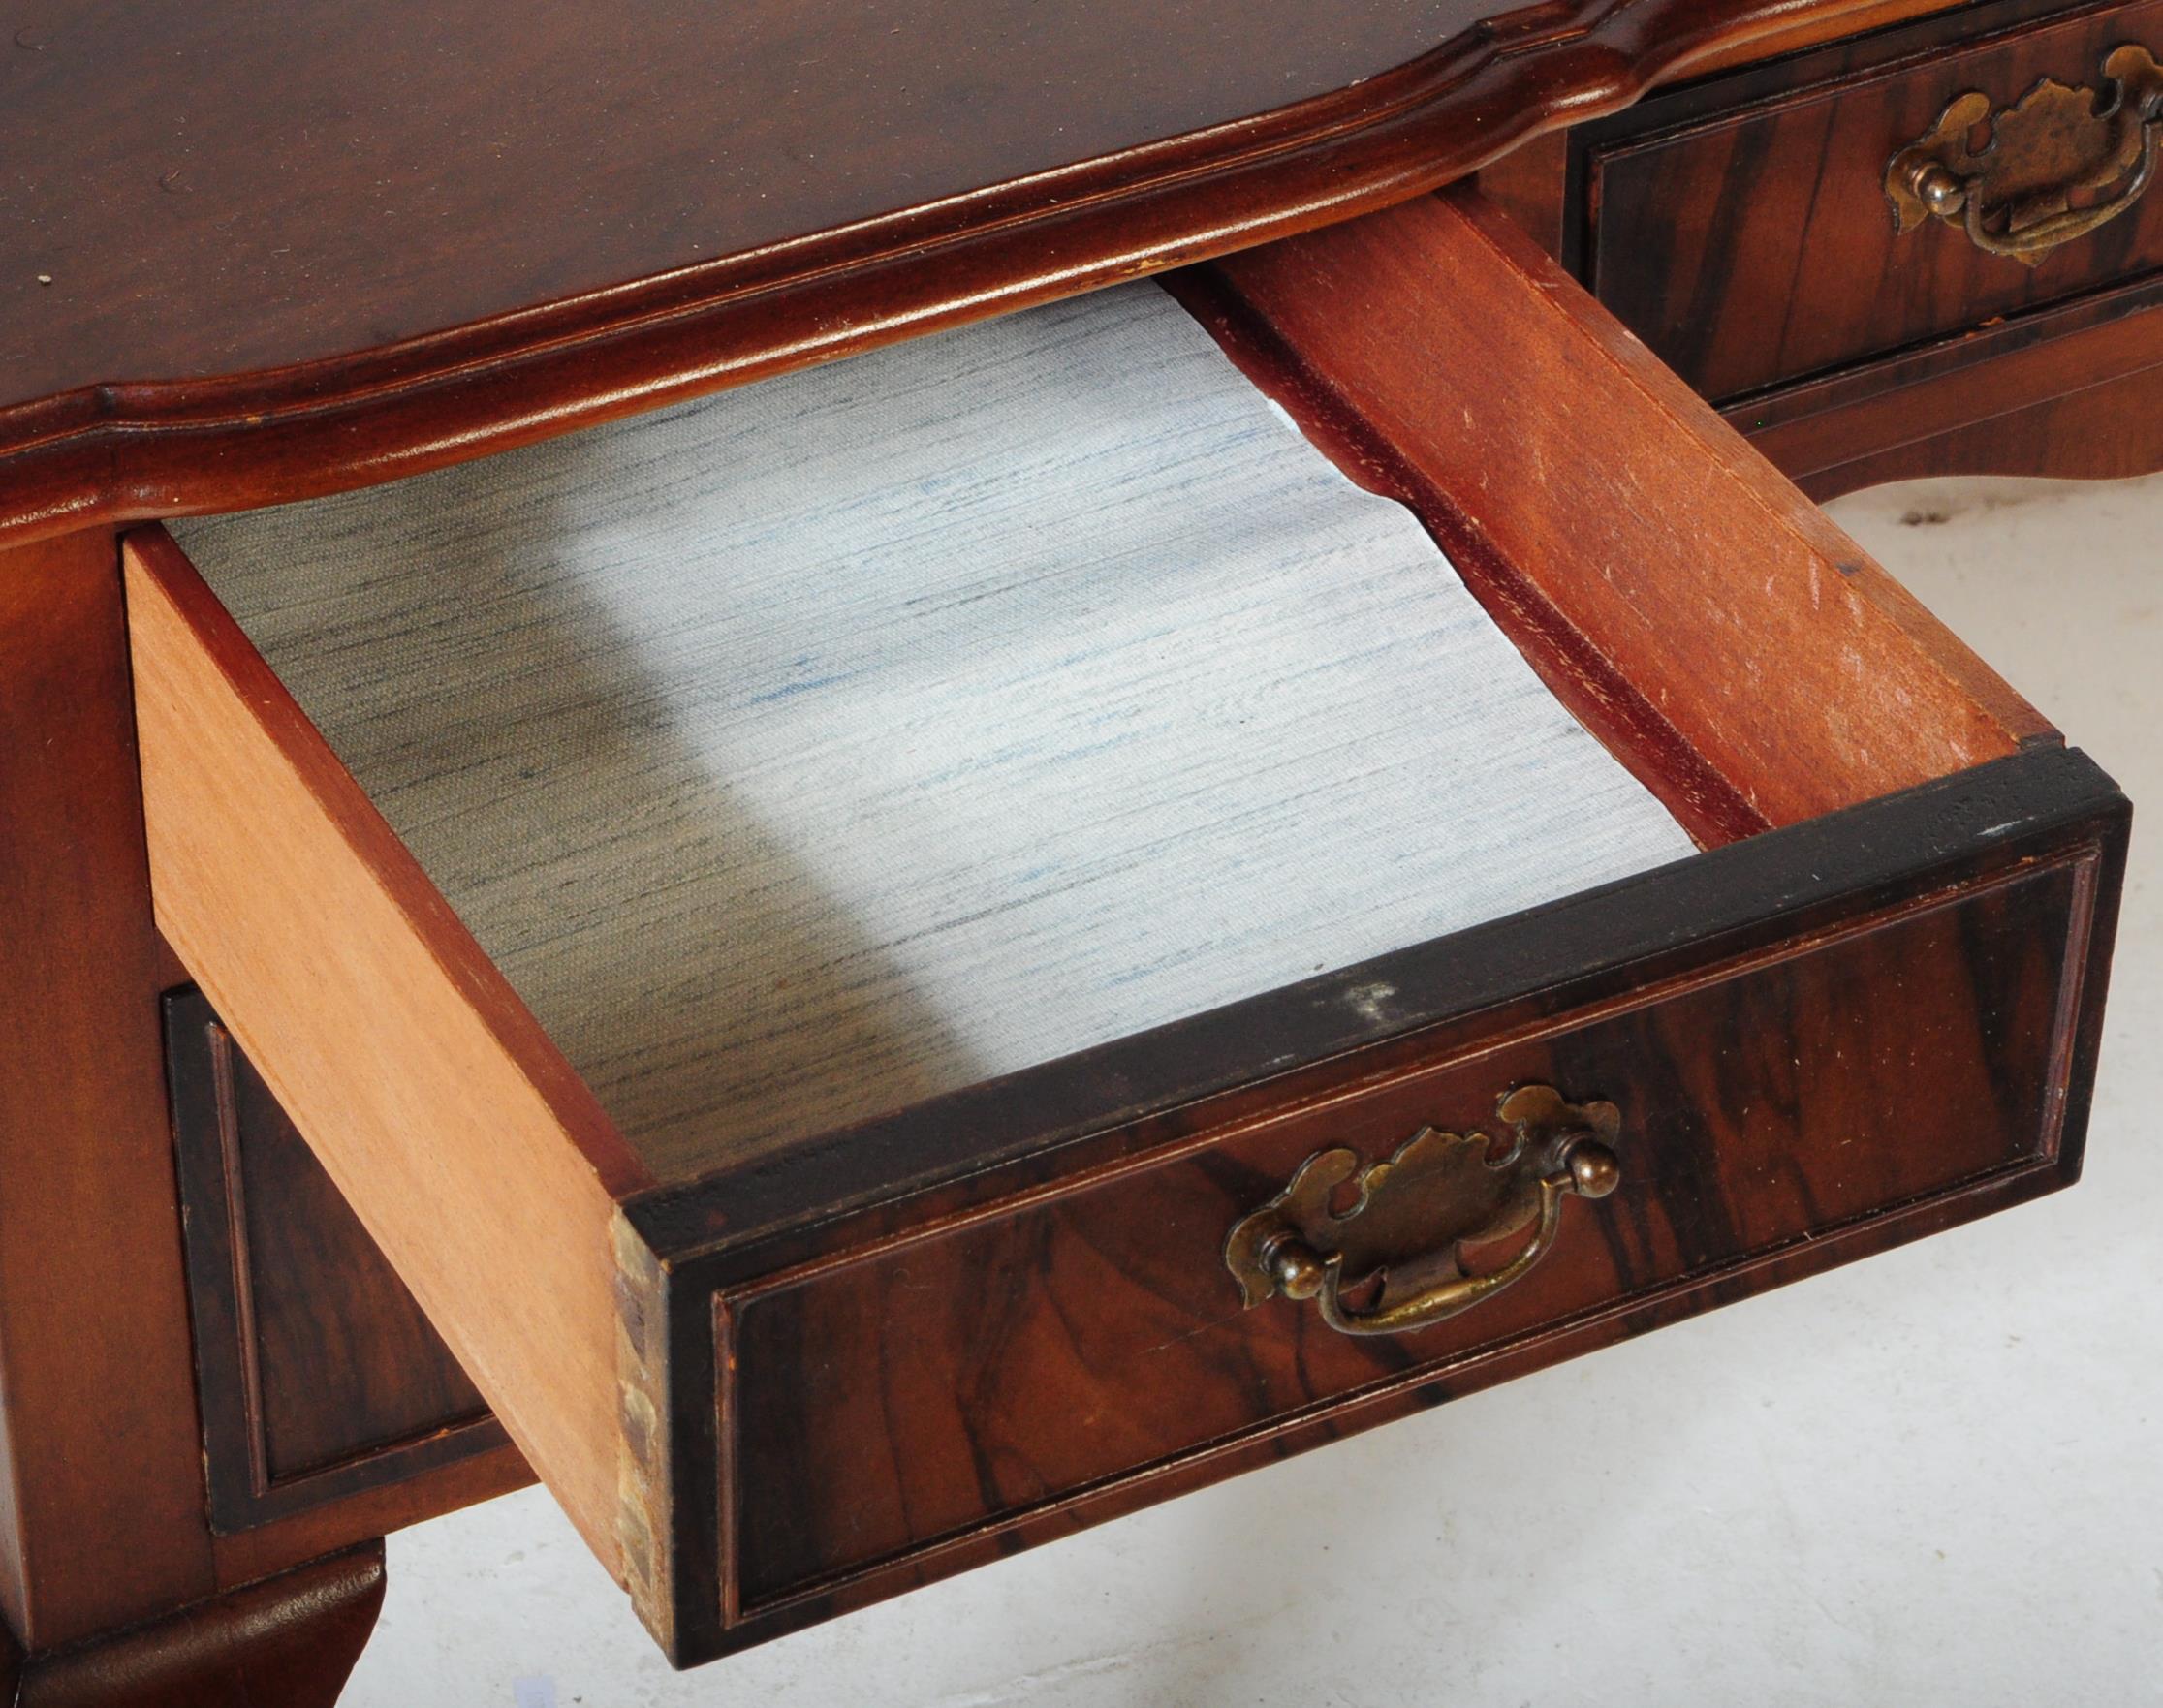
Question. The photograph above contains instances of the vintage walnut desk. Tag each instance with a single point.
(273, 1121)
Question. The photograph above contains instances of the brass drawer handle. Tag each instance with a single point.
(2014, 194)
(1415, 1213)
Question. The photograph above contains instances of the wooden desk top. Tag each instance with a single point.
(252, 254)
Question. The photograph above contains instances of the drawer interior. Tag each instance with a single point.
(606, 823)
(845, 740)
(856, 737)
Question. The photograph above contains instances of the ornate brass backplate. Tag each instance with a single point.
(1413, 1216)
(2012, 195)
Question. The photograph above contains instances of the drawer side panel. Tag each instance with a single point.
(465, 1146)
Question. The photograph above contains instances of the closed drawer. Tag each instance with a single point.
(1743, 228)
(776, 1366)
(317, 1378)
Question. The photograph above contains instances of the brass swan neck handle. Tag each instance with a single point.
(1413, 1214)
(2014, 194)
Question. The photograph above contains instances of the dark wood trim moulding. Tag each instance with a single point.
(1133, 1096)
(1815, 427)
(137, 448)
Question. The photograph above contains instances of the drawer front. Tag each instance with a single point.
(1743, 229)
(318, 1376)
(1090, 1347)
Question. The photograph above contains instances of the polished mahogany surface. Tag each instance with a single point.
(251, 164)
(358, 242)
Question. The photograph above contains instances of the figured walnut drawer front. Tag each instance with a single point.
(1744, 229)
(1774, 1118)
(780, 1382)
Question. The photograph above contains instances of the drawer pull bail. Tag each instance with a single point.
(2014, 194)
(1411, 1218)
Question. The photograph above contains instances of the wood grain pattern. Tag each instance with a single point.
(1777, 907)
(286, 1642)
(1509, 411)
(2006, 399)
(2105, 432)
(1810, 29)
(467, 1148)
(101, 1478)
(318, 1375)
(247, 1556)
(1528, 184)
(2056, 386)
(245, 255)
(1742, 230)
(2031, 374)
(1095, 1335)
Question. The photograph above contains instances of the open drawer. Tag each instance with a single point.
(776, 1374)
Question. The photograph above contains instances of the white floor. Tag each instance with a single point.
(1934, 1478)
